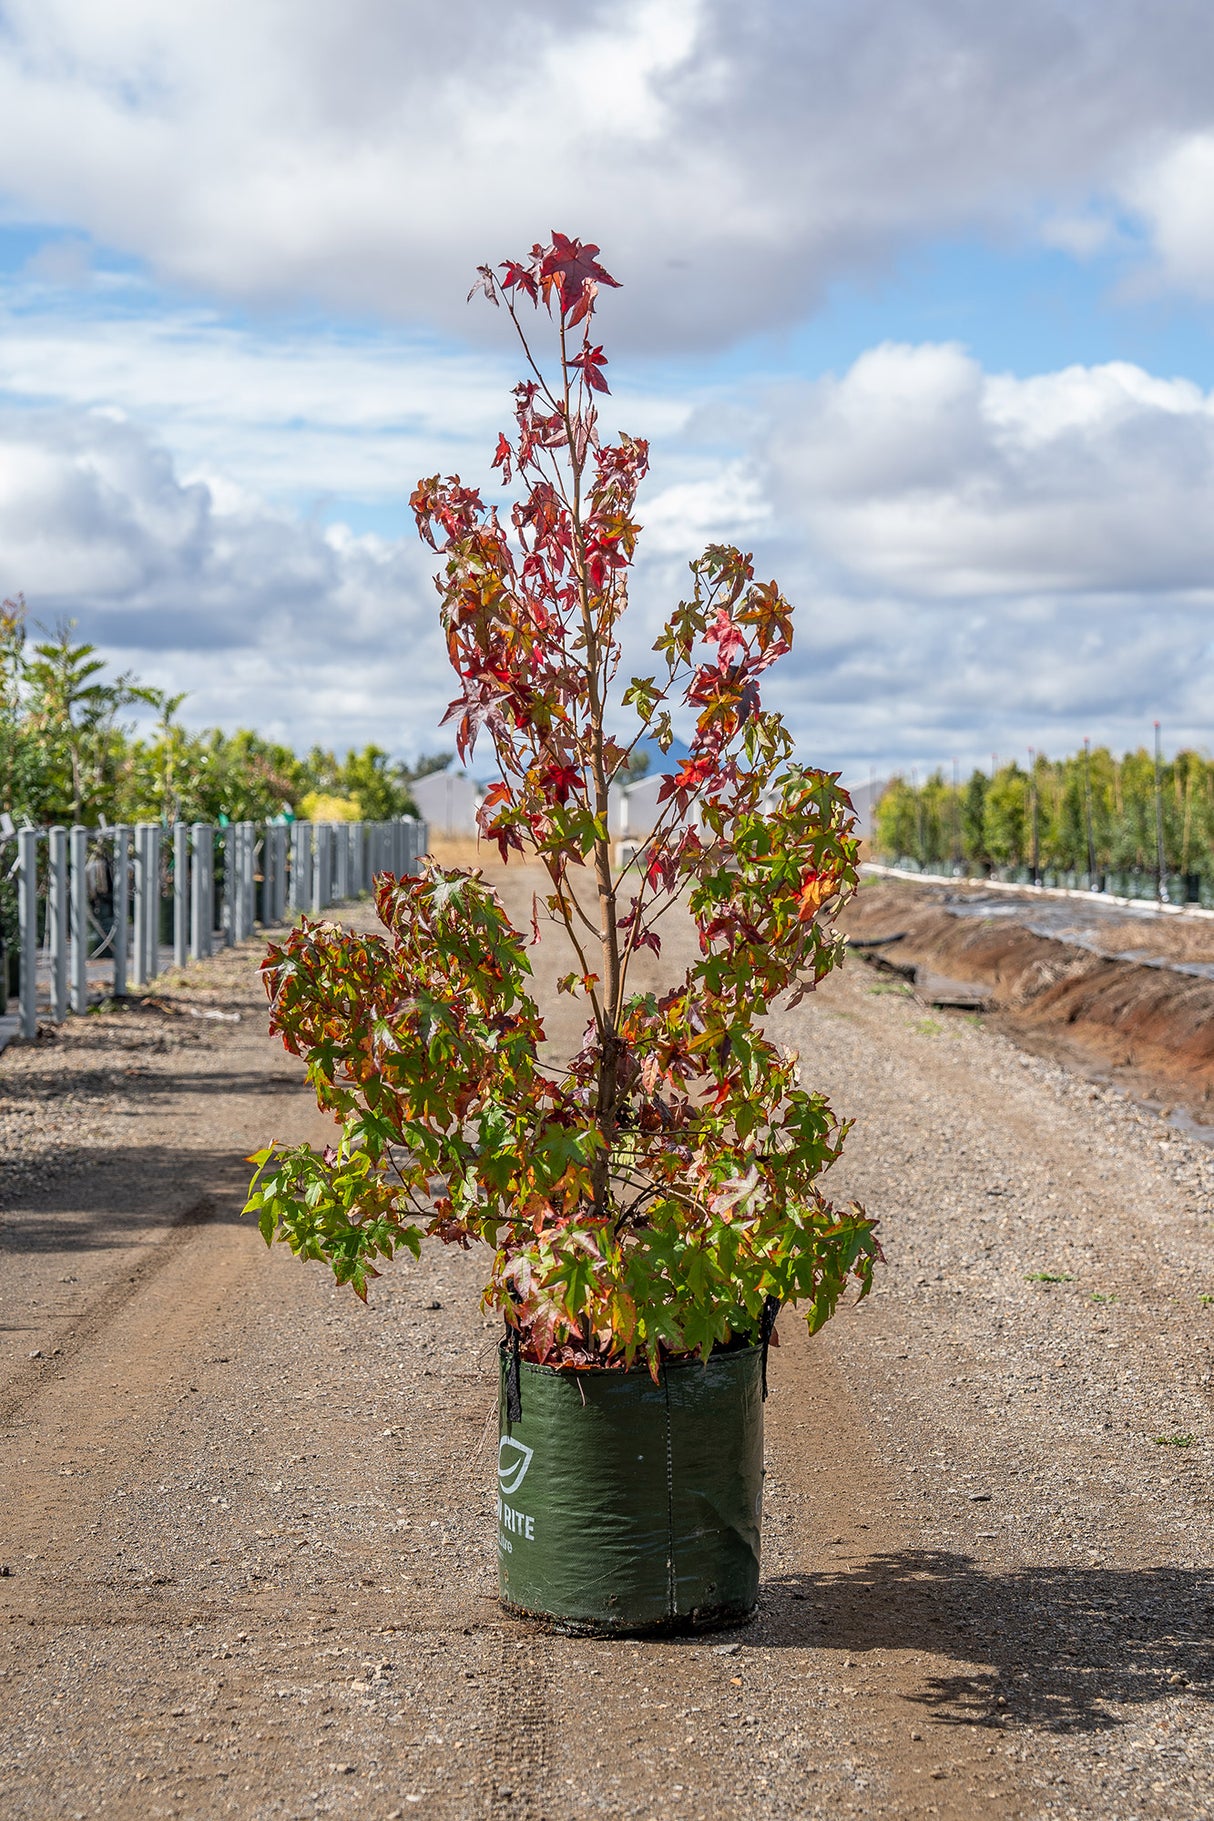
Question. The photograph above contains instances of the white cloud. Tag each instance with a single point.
(732, 161)
(1174, 195)
(292, 413)
(724, 506)
(306, 411)
(1083, 233)
(917, 469)
(265, 619)
(987, 562)
(979, 563)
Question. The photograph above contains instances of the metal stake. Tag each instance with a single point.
(57, 922)
(152, 963)
(122, 905)
(229, 885)
(27, 910)
(181, 894)
(1161, 879)
(78, 918)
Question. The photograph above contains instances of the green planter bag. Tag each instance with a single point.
(625, 1505)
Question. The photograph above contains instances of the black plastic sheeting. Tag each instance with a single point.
(625, 1505)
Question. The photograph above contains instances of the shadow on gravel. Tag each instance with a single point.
(150, 1089)
(106, 1200)
(1066, 1644)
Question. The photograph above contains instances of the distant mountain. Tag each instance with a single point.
(662, 762)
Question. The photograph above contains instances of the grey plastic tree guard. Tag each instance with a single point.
(270, 871)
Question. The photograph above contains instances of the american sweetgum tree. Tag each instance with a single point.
(659, 1194)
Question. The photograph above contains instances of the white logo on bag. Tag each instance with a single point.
(512, 1466)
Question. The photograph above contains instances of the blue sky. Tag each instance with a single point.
(1024, 309)
(917, 303)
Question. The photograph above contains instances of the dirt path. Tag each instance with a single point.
(249, 1524)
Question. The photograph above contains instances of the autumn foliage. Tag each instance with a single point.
(660, 1191)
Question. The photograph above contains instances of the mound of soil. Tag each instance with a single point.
(1149, 1028)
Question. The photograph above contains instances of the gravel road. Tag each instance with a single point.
(247, 1524)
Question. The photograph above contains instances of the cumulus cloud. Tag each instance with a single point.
(291, 411)
(1024, 560)
(979, 563)
(732, 161)
(265, 618)
(918, 467)
(725, 506)
(1174, 195)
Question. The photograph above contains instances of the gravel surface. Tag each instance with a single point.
(1036, 1373)
(248, 1524)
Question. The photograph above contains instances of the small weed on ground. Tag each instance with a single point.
(929, 1027)
(1098, 1296)
(897, 987)
(1047, 1277)
(1173, 1441)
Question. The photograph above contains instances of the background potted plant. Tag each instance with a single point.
(650, 1205)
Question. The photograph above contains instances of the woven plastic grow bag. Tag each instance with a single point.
(629, 1506)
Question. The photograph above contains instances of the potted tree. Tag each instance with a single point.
(648, 1207)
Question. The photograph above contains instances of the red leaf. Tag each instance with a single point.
(590, 360)
(561, 779)
(481, 706)
(689, 777)
(726, 635)
(572, 269)
(520, 276)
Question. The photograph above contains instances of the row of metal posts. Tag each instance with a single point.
(298, 866)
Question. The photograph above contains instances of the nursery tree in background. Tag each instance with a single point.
(18, 760)
(73, 718)
(67, 753)
(659, 1193)
(1005, 818)
(994, 814)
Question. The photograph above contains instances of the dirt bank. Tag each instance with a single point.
(1140, 1023)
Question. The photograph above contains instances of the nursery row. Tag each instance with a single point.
(1091, 820)
(70, 753)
